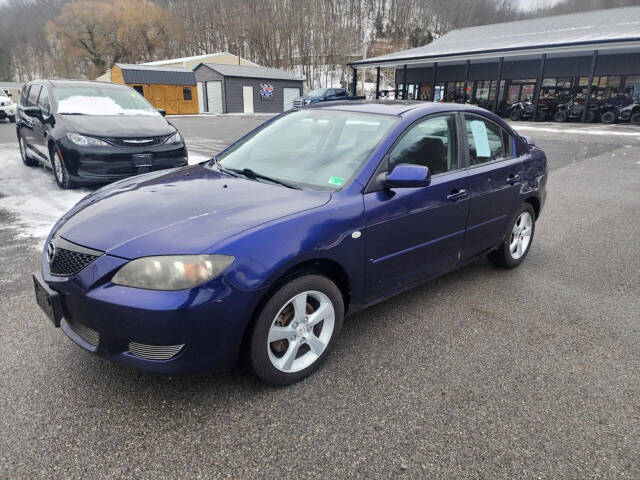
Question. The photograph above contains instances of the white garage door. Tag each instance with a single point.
(247, 99)
(214, 97)
(200, 97)
(289, 95)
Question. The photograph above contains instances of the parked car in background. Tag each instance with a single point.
(94, 132)
(7, 107)
(319, 212)
(324, 95)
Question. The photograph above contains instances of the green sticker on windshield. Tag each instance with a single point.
(336, 181)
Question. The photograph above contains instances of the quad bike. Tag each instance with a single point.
(621, 109)
(571, 111)
(525, 111)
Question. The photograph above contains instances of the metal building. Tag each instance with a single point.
(168, 88)
(245, 89)
(594, 55)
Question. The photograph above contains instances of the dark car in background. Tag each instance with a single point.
(324, 95)
(94, 132)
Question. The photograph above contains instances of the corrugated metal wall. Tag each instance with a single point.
(233, 94)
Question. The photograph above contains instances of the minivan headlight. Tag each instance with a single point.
(174, 139)
(171, 272)
(86, 141)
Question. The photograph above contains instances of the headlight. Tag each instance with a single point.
(175, 138)
(86, 141)
(173, 272)
(307, 102)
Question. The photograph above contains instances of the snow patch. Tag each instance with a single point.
(90, 105)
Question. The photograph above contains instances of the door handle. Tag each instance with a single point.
(456, 195)
(513, 178)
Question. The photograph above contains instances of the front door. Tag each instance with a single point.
(415, 233)
(247, 99)
(495, 176)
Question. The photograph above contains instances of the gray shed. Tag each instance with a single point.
(243, 89)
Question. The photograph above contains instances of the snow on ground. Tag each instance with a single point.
(32, 196)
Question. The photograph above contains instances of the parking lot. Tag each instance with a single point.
(483, 373)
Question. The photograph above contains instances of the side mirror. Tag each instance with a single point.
(407, 176)
(33, 112)
(10, 94)
(528, 140)
(162, 112)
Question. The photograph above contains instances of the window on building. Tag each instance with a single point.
(487, 141)
(139, 89)
(608, 87)
(431, 143)
(186, 93)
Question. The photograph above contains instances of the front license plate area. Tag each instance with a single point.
(48, 300)
(143, 160)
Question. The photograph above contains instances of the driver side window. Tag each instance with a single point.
(44, 103)
(431, 143)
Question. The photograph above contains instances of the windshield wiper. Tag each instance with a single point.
(247, 172)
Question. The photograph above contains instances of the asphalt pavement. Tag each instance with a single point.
(531, 373)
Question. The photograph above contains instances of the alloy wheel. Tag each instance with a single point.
(301, 331)
(521, 235)
(57, 168)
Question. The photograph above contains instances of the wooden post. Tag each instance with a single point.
(377, 83)
(497, 100)
(434, 81)
(594, 63)
(404, 84)
(466, 80)
(354, 83)
(538, 90)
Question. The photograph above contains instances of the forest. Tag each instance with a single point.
(81, 39)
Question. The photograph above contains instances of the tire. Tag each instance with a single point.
(609, 117)
(635, 118)
(517, 240)
(26, 159)
(591, 116)
(560, 116)
(59, 170)
(302, 342)
(12, 118)
(541, 116)
(515, 115)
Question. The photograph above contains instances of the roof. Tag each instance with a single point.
(155, 75)
(388, 107)
(195, 57)
(76, 83)
(251, 72)
(597, 26)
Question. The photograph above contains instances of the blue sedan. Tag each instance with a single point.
(263, 250)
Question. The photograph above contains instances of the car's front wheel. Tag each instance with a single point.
(517, 242)
(59, 170)
(296, 329)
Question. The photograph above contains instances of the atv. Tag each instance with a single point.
(525, 111)
(621, 109)
(572, 111)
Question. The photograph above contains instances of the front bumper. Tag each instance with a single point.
(201, 328)
(7, 112)
(107, 164)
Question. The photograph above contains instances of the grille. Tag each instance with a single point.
(154, 352)
(136, 142)
(87, 334)
(67, 262)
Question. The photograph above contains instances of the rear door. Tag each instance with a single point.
(416, 233)
(495, 176)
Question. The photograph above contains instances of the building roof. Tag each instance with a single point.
(156, 75)
(251, 72)
(598, 26)
(195, 57)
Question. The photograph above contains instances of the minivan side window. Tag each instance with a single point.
(32, 99)
(431, 142)
(487, 141)
(44, 103)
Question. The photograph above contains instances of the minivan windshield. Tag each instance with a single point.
(101, 101)
(317, 149)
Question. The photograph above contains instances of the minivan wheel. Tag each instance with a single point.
(609, 117)
(26, 159)
(60, 171)
(296, 329)
(517, 242)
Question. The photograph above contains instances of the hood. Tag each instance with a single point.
(183, 211)
(117, 125)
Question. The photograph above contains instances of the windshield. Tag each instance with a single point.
(318, 149)
(318, 92)
(101, 101)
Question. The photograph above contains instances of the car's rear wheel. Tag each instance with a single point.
(609, 117)
(517, 242)
(24, 152)
(560, 116)
(59, 170)
(296, 329)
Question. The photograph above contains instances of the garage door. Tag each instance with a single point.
(247, 99)
(201, 97)
(289, 95)
(214, 97)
